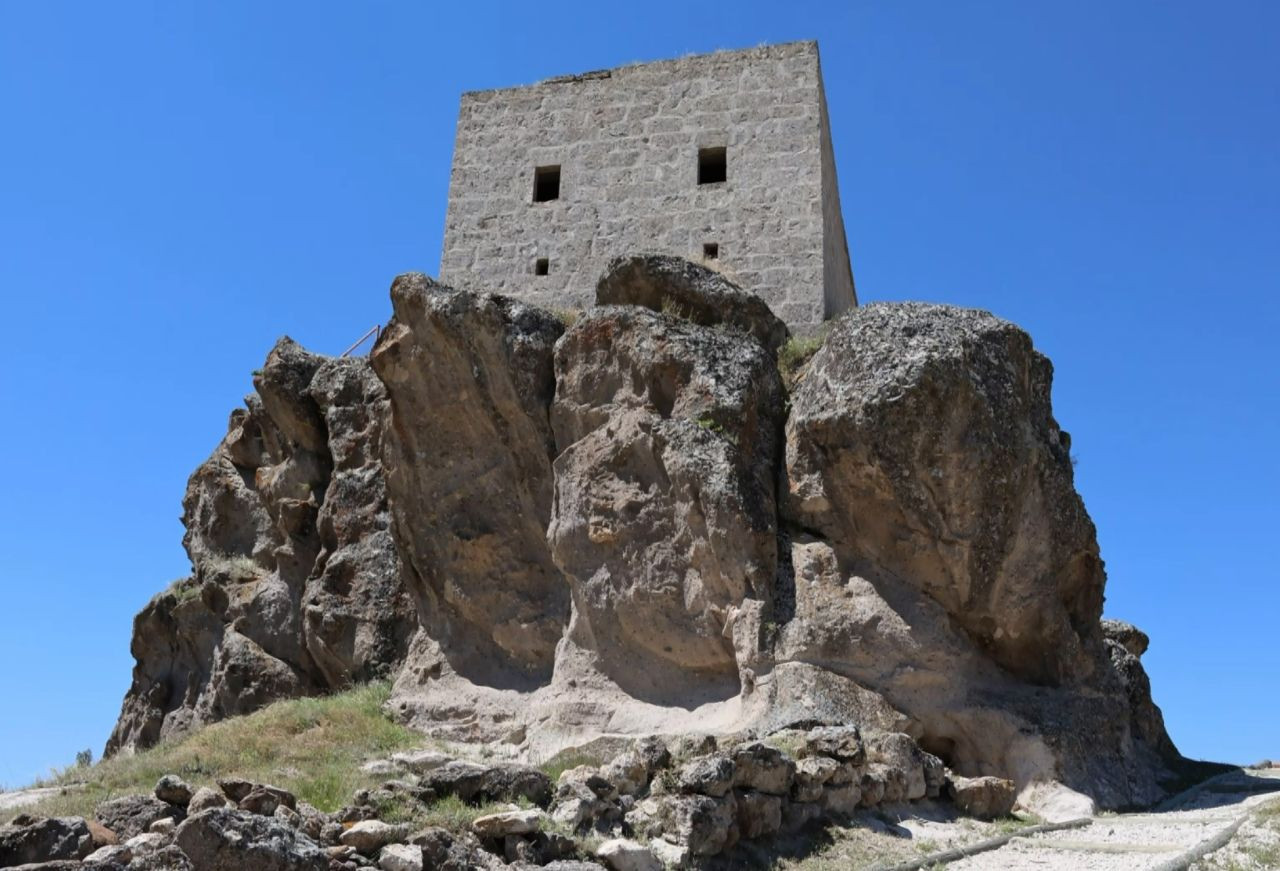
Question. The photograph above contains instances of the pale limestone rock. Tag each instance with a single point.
(400, 857)
(622, 854)
(369, 836)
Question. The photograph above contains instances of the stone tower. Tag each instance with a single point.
(722, 158)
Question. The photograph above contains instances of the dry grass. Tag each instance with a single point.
(571, 757)
(450, 813)
(312, 747)
(797, 352)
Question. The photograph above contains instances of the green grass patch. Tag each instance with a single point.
(797, 352)
(1009, 825)
(570, 757)
(312, 747)
(567, 316)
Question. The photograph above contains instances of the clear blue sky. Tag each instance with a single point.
(179, 186)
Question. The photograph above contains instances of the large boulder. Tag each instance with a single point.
(468, 468)
(296, 581)
(689, 290)
(986, 798)
(224, 839)
(45, 840)
(921, 442)
(664, 519)
(476, 783)
(132, 815)
(936, 554)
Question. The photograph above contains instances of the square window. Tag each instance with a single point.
(713, 165)
(541, 266)
(711, 251)
(546, 184)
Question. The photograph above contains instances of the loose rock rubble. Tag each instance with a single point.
(549, 528)
(642, 810)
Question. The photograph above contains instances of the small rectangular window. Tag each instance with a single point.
(546, 183)
(711, 251)
(713, 165)
(541, 266)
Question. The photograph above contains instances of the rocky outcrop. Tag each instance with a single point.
(468, 466)
(664, 520)
(690, 291)
(921, 444)
(296, 582)
(629, 527)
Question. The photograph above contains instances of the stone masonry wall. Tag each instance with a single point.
(627, 142)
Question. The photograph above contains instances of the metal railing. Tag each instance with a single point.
(375, 331)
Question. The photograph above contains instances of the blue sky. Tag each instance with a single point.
(180, 184)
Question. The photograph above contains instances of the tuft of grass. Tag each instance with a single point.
(797, 352)
(312, 747)
(1009, 825)
(184, 589)
(672, 307)
(1269, 812)
(570, 757)
(567, 316)
(789, 741)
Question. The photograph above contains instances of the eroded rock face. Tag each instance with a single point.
(468, 466)
(296, 585)
(624, 528)
(690, 290)
(664, 519)
(921, 443)
(940, 557)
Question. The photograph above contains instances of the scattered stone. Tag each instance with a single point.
(759, 813)
(260, 801)
(841, 743)
(585, 776)
(118, 853)
(400, 857)
(478, 783)
(986, 798)
(518, 822)
(171, 858)
(162, 826)
(102, 836)
(235, 788)
(205, 798)
(871, 786)
(841, 800)
(369, 836)
(762, 768)
(148, 842)
(704, 824)
(899, 752)
(621, 854)
(288, 817)
(420, 761)
(812, 773)
(44, 840)
(710, 775)
(134, 814)
(173, 789)
(226, 839)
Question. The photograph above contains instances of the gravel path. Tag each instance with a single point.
(1142, 841)
(20, 798)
